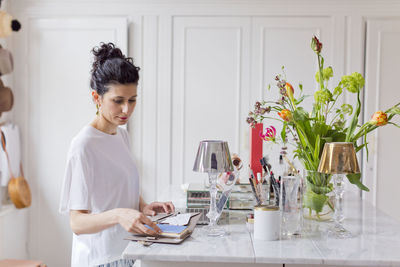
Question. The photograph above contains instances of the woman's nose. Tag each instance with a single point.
(125, 108)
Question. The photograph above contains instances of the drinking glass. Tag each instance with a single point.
(290, 203)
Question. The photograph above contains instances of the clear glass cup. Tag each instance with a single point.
(290, 204)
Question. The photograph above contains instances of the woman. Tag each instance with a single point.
(101, 184)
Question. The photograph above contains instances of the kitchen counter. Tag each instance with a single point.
(376, 242)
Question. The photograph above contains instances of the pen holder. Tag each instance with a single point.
(266, 222)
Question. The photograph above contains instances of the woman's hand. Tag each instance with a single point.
(157, 207)
(134, 221)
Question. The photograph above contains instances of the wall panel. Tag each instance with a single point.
(285, 42)
(59, 106)
(382, 70)
(210, 81)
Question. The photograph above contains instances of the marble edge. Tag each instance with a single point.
(357, 262)
(264, 260)
(288, 261)
(179, 258)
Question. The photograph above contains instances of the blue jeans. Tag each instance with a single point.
(119, 263)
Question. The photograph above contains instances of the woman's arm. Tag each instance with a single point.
(83, 222)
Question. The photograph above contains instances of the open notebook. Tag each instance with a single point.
(171, 234)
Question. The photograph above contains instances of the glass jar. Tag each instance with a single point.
(318, 198)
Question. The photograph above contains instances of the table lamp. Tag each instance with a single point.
(339, 158)
(213, 157)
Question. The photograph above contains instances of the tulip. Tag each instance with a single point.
(270, 133)
(316, 45)
(250, 120)
(285, 114)
(379, 118)
(289, 90)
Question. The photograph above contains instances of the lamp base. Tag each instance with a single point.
(339, 232)
(215, 231)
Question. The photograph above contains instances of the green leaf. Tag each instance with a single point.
(327, 139)
(320, 189)
(317, 147)
(283, 132)
(300, 118)
(300, 99)
(394, 124)
(355, 178)
(366, 145)
(300, 115)
(336, 136)
(347, 109)
(314, 201)
(354, 121)
(358, 148)
(320, 128)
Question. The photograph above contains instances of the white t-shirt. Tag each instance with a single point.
(100, 175)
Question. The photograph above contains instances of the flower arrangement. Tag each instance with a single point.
(325, 123)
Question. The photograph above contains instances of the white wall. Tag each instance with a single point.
(382, 70)
(204, 64)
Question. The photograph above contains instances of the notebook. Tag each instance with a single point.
(174, 234)
(174, 231)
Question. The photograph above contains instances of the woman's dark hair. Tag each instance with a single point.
(110, 66)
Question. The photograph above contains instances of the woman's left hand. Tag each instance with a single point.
(158, 207)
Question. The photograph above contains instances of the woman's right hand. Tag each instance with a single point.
(134, 221)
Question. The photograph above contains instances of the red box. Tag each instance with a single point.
(256, 149)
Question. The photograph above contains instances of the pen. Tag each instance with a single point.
(276, 188)
(259, 178)
(252, 176)
(254, 191)
(254, 180)
(259, 185)
(263, 162)
(265, 165)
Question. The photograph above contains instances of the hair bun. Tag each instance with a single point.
(105, 52)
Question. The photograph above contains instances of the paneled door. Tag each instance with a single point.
(58, 106)
(382, 74)
(210, 85)
(285, 42)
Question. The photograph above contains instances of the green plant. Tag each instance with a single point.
(325, 123)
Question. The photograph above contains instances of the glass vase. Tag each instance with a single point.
(318, 197)
(290, 205)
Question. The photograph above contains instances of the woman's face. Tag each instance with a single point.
(117, 105)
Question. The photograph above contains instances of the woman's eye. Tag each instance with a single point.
(118, 101)
(132, 100)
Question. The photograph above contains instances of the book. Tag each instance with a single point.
(174, 231)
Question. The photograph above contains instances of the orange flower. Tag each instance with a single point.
(285, 114)
(289, 90)
(379, 118)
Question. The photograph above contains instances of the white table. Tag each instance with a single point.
(376, 242)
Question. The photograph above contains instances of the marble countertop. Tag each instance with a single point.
(376, 242)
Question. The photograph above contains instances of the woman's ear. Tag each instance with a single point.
(95, 97)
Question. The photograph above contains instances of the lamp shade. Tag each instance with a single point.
(213, 156)
(338, 158)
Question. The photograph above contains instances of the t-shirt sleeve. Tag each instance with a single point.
(75, 194)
